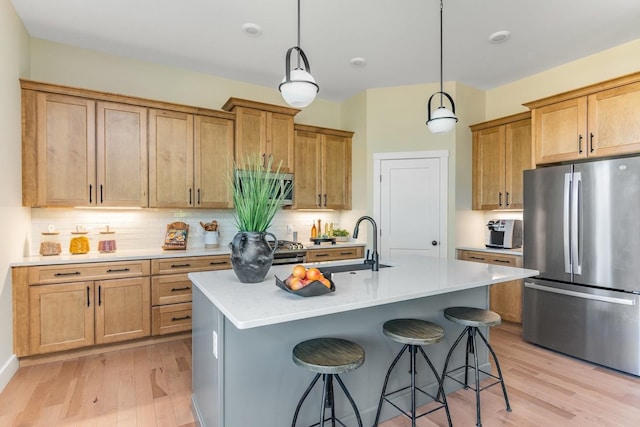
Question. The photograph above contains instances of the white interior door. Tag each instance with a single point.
(411, 206)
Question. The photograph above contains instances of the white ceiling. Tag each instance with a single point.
(398, 38)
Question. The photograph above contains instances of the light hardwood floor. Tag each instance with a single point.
(151, 386)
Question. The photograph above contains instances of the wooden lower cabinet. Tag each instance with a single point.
(122, 309)
(504, 298)
(335, 254)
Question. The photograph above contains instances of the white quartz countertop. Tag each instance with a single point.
(250, 305)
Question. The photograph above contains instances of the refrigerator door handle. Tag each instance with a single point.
(621, 301)
(566, 223)
(576, 259)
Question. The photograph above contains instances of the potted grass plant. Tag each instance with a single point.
(258, 193)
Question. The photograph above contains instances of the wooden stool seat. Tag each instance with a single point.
(328, 355)
(413, 331)
(471, 316)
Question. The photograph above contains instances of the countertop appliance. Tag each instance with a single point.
(289, 252)
(582, 234)
(504, 234)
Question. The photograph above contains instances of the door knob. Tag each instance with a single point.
(434, 243)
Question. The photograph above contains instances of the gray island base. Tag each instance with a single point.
(243, 335)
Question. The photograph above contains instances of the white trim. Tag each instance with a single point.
(8, 370)
(443, 157)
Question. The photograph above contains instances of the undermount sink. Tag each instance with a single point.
(349, 267)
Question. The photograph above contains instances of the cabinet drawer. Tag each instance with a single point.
(170, 289)
(89, 271)
(171, 318)
(334, 254)
(491, 258)
(190, 264)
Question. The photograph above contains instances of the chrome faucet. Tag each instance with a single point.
(375, 258)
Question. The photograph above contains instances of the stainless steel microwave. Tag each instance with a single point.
(283, 185)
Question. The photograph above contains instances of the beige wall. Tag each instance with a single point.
(14, 63)
(605, 65)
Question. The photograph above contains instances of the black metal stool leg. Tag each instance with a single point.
(472, 334)
(495, 358)
(323, 400)
(353, 403)
(412, 351)
(386, 380)
(446, 362)
(440, 389)
(304, 396)
(470, 349)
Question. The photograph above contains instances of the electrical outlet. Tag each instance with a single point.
(215, 344)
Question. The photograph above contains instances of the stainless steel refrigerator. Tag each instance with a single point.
(582, 232)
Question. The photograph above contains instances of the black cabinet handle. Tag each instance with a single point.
(186, 288)
(476, 258)
(503, 261)
(591, 142)
(88, 297)
(346, 253)
(190, 191)
(175, 319)
(198, 196)
(580, 144)
(507, 199)
(499, 199)
(75, 273)
(101, 200)
(321, 255)
(118, 270)
(319, 199)
(218, 263)
(99, 295)
(180, 265)
(90, 193)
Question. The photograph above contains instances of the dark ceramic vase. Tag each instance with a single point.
(251, 255)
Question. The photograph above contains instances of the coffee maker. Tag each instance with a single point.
(504, 234)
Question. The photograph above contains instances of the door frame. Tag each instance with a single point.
(443, 157)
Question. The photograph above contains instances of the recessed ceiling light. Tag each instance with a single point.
(251, 29)
(358, 62)
(499, 36)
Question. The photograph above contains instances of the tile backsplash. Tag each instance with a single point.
(137, 229)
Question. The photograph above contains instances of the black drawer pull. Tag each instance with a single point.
(218, 263)
(75, 273)
(321, 255)
(504, 261)
(99, 295)
(180, 265)
(346, 253)
(118, 270)
(186, 288)
(476, 257)
(88, 297)
(175, 319)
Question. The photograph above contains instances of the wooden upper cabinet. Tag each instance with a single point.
(59, 157)
(170, 159)
(122, 157)
(265, 131)
(595, 121)
(213, 162)
(323, 168)
(501, 152)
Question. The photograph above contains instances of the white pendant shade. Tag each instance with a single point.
(442, 120)
(301, 90)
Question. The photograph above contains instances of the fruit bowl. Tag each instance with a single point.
(313, 289)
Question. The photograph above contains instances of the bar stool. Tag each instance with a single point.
(328, 357)
(472, 319)
(414, 334)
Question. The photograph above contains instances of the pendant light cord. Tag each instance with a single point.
(441, 57)
(299, 33)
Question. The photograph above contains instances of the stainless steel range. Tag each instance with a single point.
(289, 252)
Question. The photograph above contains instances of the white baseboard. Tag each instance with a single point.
(8, 370)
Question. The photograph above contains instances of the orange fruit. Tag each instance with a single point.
(295, 283)
(299, 271)
(314, 274)
(326, 282)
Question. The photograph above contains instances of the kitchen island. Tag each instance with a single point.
(243, 335)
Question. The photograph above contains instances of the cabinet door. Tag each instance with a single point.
(122, 171)
(65, 150)
(560, 131)
(61, 317)
(280, 138)
(122, 309)
(213, 162)
(307, 188)
(489, 168)
(517, 159)
(170, 159)
(614, 122)
(251, 128)
(336, 172)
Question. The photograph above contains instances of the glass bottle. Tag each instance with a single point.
(314, 231)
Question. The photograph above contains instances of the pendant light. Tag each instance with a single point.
(442, 120)
(298, 87)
